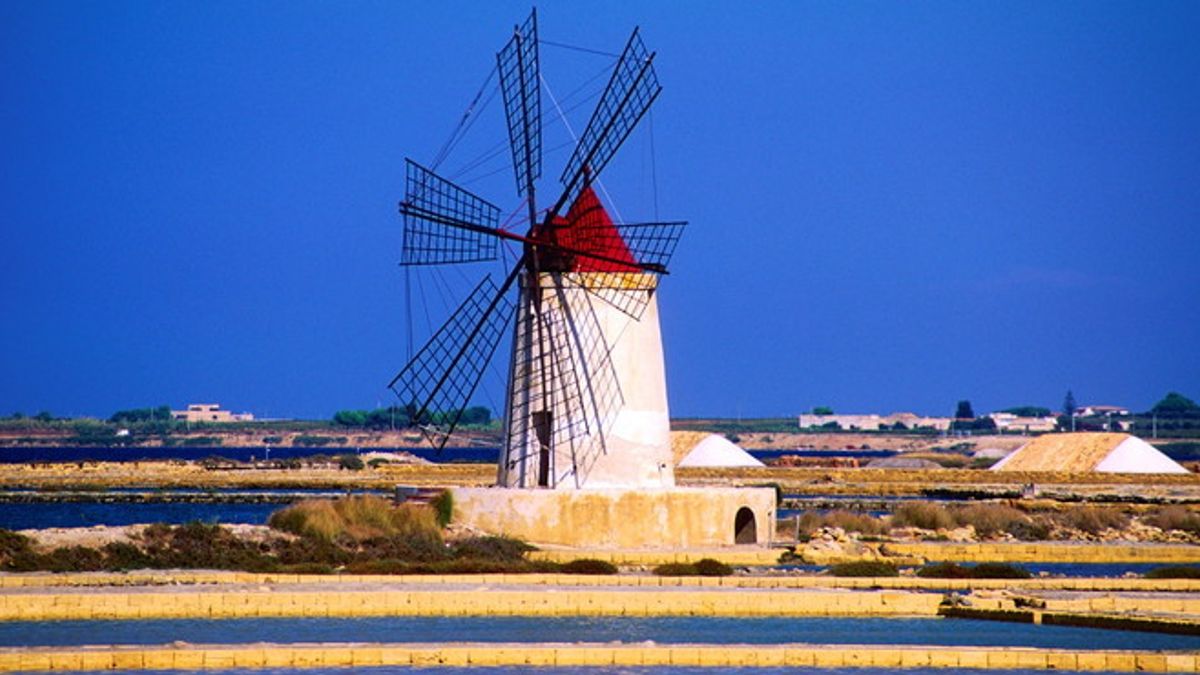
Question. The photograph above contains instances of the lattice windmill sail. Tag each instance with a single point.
(586, 401)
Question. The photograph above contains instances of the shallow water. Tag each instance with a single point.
(667, 630)
(24, 455)
(86, 514)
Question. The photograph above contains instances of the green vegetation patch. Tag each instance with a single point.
(705, 567)
(864, 568)
(588, 566)
(1174, 572)
(949, 570)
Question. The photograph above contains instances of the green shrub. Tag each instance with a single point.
(306, 568)
(996, 570)
(312, 441)
(1174, 572)
(495, 548)
(949, 570)
(122, 555)
(708, 567)
(350, 463)
(72, 559)
(923, 515)
(396, 566)
(204, 546)
(386, 566)
(863, 568)
(12, 544)
(443, 507)
(676, 570)
(311, 550)
(588, 566)
(944, 570)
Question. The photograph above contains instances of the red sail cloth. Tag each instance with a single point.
(587, 227)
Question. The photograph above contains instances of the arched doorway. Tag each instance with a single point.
(745, 529)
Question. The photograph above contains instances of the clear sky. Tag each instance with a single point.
(893, 205)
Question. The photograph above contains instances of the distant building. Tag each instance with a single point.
(1093, 410)
(1010, 422)
(875, 422)
(209, 412)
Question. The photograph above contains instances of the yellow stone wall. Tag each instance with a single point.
(191, 657)
(661, 519)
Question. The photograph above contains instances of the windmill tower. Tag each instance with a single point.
(586, 406)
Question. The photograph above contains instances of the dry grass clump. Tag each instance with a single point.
(923, 515)
(1092, 519)
(991, 519)
(1174, 518)
(847, 520)
(359, 518)
(988, 520)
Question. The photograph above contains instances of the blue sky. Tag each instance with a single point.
(893, 206)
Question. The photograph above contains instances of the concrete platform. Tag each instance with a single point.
(614, 518)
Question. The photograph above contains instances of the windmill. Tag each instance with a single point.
(586, 396)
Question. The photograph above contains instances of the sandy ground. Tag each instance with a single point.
(99, 535)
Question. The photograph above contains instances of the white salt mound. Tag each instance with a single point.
(716, 450)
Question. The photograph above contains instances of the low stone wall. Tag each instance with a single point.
(1046, 552)
(333, 581)
(193, 657)
(1147, 623)
(194, 603)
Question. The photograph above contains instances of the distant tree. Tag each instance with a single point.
(822, 410)
(1069, 405)
(984, 424)
(44, 416)
(964, 411)
(160, 414)
(350, 418)
(476, 415)
(1175, 403)
(1028, 411)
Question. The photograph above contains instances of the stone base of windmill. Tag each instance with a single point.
(665, 518)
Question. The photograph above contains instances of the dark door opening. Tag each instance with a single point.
(542, 428)
(745, 529)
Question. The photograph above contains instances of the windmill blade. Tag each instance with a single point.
(520, 85)
(650, 244)
(442, 377)
(563, 382)
(444, 223)
(630, 91)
